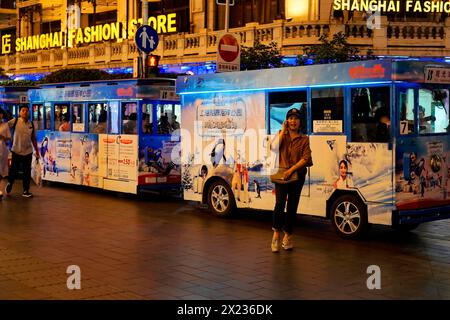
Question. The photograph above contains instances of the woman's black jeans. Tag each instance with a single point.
(281, 220)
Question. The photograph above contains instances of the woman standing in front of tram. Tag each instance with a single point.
(295, 156)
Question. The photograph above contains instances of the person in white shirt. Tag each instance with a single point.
(24, 140)
(5, 136)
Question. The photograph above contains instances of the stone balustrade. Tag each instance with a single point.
(392, 38)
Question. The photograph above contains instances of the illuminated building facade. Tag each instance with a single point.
(44, 36)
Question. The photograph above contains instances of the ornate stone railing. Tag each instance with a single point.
(391, 38)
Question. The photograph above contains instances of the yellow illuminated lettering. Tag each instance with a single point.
(152, 22)
(56, 40)
(373, 5)
(30, 43)
(409, 4)
(35, 42)
(42, 41)
(355, 6)
(435, 6)
(427, 6)
(6, 43)
(79, 38)
(337, 5)
(115, 30)
(382, 6)
(391, 6)
(18, 44)
(48, 40)
(364, 5)
(139, 21)
(171, 22)
(447, 7)
(345, 5)
(94, 34)
(417, 7)
(71, 36)
(106, 32)
(87, 34)
(162, 24)
(132, 28)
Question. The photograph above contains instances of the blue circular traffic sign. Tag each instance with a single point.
(146, 39)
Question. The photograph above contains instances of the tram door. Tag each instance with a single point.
(158, 138)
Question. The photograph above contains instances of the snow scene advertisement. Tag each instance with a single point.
(423, 172)
(159, 163)
(224, 135)
(69, 157)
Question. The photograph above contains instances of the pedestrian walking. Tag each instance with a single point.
(23, 142)
(5, 136)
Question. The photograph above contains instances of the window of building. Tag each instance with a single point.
(147, 118)
(51, 26)
(406, 104)
(280, 103)
(102, 18)
(180, 7)
(78, 117)
(168, 116)
(129, 117)
(98, 116)
(245, 11)
(327, 108)
(433, 111)
(370, 114)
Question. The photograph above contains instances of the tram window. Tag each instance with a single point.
(61, 113)
(327, 107)
(370, 114)
(98, 116)
(129, 118)
(78, 117)
(433, 111)
(281, 102)
(114, 117)
(38, 116)
(168, 115)
(48, 117)
(406, 104)
(147, 118)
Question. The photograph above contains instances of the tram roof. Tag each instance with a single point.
(104, 90)
(147, 81)
(340, 74)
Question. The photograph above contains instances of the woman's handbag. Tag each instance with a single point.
(279, 177)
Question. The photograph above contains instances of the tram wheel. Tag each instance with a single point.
(220, 199)
(349, 217)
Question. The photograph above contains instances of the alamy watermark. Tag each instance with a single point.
(374, 280)
(74, 280)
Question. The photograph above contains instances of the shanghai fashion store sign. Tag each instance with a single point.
(431, 6)
(79, 36)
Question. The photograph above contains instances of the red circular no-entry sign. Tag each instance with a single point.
(228, 48)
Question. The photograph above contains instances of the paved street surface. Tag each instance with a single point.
(164, 248)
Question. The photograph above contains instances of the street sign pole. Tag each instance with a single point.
(144, 22)
(227, 15)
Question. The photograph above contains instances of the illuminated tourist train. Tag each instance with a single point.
(379, 133)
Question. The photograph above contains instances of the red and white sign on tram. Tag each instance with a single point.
(228, 54)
